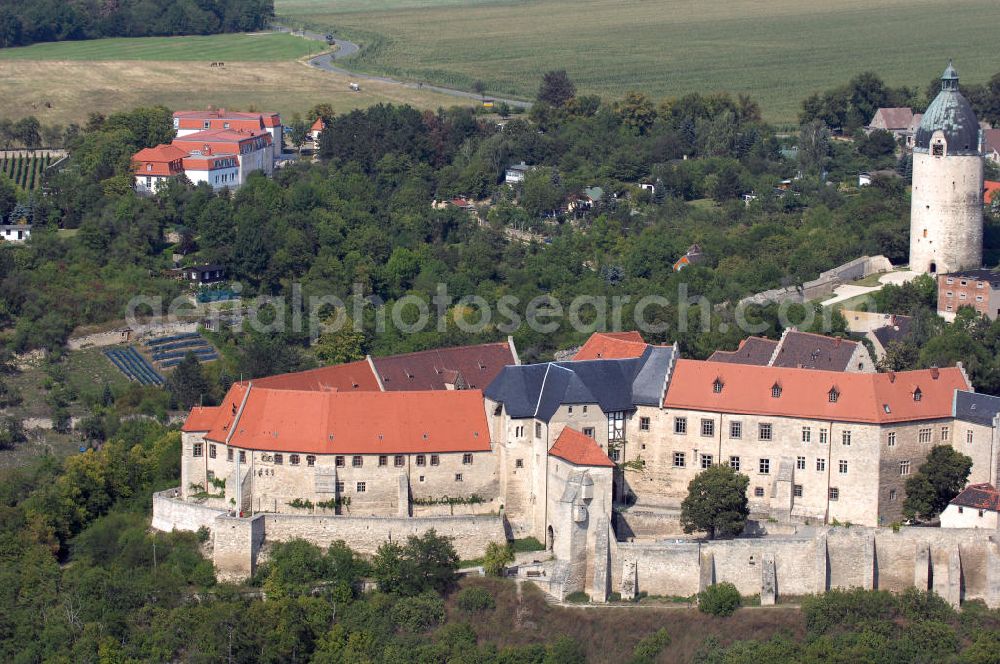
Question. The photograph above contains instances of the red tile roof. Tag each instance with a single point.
(477, 366)
(266, 119)
(201, 418)
(319, 125)
(580, 450)
(350, 377)
(164, 160)
(612, 346)
(357, 422)
(979, 496)
(990, 190)
(220, 141)
(804, 393)
(895, 118)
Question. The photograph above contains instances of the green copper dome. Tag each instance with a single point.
(951, 113)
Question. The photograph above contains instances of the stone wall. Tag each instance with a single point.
(170, 513)
(957, 564)
(824, 285)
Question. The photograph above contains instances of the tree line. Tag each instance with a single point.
(24, 22)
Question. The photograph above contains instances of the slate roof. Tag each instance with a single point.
(752, 350)
(990, 276)
(476, 367)
(976, 408)
(979, 496)
(898, 330)
(813, 351)
(951, 113)
(580, 450)
(991, 140)
(538, 390)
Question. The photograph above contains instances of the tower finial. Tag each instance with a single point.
(949, 79)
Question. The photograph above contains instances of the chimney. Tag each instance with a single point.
(892, 376)
(935, 373)
(836, 342)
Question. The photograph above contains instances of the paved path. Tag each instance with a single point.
(846, 292)
(346, 49)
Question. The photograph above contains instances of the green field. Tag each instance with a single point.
(26, 172)
(778, 51)
(233, 47)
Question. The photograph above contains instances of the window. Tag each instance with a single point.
(734, 463)
(961, 510)
(570, 410)
(616, 425)
(680, 425)
(292, 458)
(466, 459)
(806, 434)
(833, 395)
(398, 461)
(904, 468)
(764, 432)
(968, 436)
(842, 466)
(892, 494)
(361, 487)
(961, 296)
(679, 461)
(519, 432)
(834, 494)
(211, 475)
(584, 409)
(435, 460)
(945, 433)
(937, 150)
(279, 459)
(845, 438)
(643, 424)
(197, 449)
(735, 429)
(310, 460)
(519, 463)
(980, 514)
(775, 391)
(421, 460)
(823, 436)
(339, 487)
(821, 465)
(706, 460)
(764, 468)
(924, 435)
(229, 454)
(588, 431)
(357, 461)
(211, 451)
(616, 454)
(917, 394)
(383, 460)
(800, 463)
(458, 477)
(538, 429)
(797, 490)
(708, 427)
(758, 492)
(717, 386)
(891, 439)
(338, 461)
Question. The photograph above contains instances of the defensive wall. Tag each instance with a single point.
(958, 564)
(238, 542)
(824, 285)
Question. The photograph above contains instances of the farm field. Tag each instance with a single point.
(66, 91)
(263, 47)
(779, 52)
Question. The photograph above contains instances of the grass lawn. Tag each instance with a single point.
(779, 52)
(242, 47)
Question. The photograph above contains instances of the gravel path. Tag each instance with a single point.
(346, 49)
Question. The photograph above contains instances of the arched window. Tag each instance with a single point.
(775, 391)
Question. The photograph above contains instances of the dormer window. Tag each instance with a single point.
(917, 394)
(833, 395)
(149, 167)
(717, 386)
(775, 391)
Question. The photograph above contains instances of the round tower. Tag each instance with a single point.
(946, 213)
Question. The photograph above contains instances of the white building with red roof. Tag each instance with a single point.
(222, 158)
(155, 166)
(190, 122)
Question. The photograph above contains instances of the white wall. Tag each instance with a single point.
(955, 516)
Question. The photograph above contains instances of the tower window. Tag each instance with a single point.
(937, 150)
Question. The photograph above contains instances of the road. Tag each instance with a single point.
(346, 49)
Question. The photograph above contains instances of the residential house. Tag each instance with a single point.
(316, 130)
(153, 167)
(979, 289)
(991, 144)
(978, 506)
(990, 189)
(15, 233)
(203, 275)
(516, 173)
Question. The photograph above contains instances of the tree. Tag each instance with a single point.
(719, 599)
(479, 87)
(814, 147)
(11, 432)
(879, 143)
(938, 480)
(716, 502)
(344, 345)
(636, 112)
(497, 557)
(188, 384)
(556, 88)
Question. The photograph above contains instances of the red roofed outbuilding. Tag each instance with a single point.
(978, 506)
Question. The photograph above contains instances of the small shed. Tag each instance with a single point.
(203, 275)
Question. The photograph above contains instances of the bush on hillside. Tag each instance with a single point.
(719, 599)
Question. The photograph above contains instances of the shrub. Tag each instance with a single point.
(579, 597)
(418, 614)
(648, 648)
(475, 599)
(497, 557)
(527, 544)
(847, 609)
(203, 534)
(719, 599)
